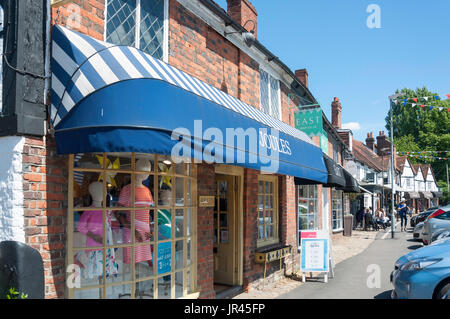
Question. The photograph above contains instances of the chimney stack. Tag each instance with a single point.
(302, 76)
(242, 11)
(370, 141)
(336, 110)
(383, 143)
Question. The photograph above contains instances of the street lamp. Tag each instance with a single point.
(392, 160)
(383, 150)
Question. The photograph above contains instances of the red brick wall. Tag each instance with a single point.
(45, 208)
(205, 230)
(197, 49)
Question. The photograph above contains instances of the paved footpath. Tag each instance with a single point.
(352, 275)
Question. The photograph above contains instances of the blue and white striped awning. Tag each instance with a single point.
(90, 65)
(98, 96)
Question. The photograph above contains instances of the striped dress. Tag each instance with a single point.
(143, 198)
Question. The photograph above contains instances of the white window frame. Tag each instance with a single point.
(138, 27)
(271, 74)
(339, 213)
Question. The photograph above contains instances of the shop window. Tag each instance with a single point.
(269, 94)
(308, 208)
(267, 221)
(336, 208)
(138, 23)
(130, 226)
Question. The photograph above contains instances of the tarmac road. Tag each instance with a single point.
(364, 276)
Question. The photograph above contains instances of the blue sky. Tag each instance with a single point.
(361, 66)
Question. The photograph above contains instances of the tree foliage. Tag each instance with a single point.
(421, 129)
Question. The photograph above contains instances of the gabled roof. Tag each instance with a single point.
(366, 156)
(425, 168)
(415, 168)
(400, 163)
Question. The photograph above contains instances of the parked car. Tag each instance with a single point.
(438, 220)
(440, 235)
(417, 233)
(423, 273)
(421, 216)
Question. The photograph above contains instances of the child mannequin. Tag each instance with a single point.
(91, 225)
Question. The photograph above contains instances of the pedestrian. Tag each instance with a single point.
(402, 209)
(367, 219)
(360, 217)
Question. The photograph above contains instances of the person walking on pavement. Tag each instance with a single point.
(403, 211)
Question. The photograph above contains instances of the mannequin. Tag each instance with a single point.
(91, 225)
(143, 198)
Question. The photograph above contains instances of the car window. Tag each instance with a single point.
(444, 216)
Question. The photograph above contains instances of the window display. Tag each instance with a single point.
(115, 200)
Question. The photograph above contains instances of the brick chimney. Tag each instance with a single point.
(302, 75)
(242, 11)
(370, 141)
(336, 110)
(383, 144)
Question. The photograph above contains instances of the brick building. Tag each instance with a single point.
(198, 224)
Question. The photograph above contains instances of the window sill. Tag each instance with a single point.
(269, 246)
(335, 231)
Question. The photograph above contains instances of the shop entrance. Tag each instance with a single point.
(226, 236)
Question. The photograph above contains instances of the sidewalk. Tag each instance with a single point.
(343, 248)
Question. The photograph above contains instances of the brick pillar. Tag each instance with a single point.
(45, 209)
(250, 228)
(205, 230)
(288, 220)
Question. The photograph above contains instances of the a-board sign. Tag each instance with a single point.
(315, 252)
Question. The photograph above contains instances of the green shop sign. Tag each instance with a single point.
(309, 121)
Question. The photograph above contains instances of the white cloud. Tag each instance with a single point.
(354, 126)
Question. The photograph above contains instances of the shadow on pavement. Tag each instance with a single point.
(414, 247)
(384, 295)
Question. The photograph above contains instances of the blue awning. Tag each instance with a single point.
(111, 98)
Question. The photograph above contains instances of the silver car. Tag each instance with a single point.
(437, 221)
(417, 234)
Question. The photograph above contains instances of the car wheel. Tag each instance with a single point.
(444, 291)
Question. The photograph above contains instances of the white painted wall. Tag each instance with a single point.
(408, 174)
(430, 178)
(11, 189)
(420, 185)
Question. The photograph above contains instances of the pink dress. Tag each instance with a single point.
(143, 198)
(92, 259)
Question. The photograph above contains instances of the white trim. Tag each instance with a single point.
(137, 28)
(166, 32)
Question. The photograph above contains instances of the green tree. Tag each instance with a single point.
(418, 128)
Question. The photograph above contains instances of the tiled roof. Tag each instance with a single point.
(364, 155)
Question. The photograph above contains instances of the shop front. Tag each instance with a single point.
(160, 168)
(310, 194)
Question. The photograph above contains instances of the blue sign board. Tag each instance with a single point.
(164, 258)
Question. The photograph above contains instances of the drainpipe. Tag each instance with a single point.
(47, 57)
